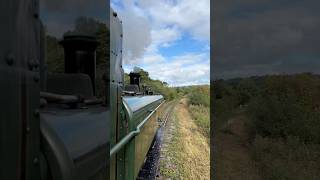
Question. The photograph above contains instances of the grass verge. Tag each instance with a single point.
(186, 151)
(200, 115)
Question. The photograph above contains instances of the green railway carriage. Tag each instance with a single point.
(141, 119)
(142, 142)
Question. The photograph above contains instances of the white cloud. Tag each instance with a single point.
(153, 58)
(136, 31)
(181, 70)
(149, 25)
(192, 16)
(165, 36)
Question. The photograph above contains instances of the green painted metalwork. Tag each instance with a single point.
(140, 145)
(132, 134)
(117, 128)
(141, 129)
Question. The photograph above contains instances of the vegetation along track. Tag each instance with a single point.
(150, 167)
(185, 150)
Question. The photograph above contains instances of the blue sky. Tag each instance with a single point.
(168, 38)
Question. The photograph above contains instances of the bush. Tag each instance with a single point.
(202, 118)
(288, 106)
(290, 159)
(283, 121)
(225, 101)
(200, 96)
(199, 107)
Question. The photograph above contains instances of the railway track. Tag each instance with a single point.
(150, 167)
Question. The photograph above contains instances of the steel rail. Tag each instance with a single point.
(132, 134)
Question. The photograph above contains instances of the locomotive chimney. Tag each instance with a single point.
(80, 55)
(135, 78)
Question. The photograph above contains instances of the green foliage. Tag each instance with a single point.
(283, 124)
(54, 55)
(225, 101)
(290, 159)
(280, 106)
(102, 52)
(288, 106)
(200, 95)
(199, 106)
(246, 90)
(126, 78)
(201, 116)
(102, 57)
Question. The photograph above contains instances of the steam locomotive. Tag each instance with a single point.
(53, 125)
(137, 111)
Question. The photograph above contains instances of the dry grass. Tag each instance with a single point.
(201, 116)
(187, 156)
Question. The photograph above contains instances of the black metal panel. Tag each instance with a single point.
(76, 141)
(19, 79)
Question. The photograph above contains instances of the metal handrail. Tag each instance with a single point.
(132, 134)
